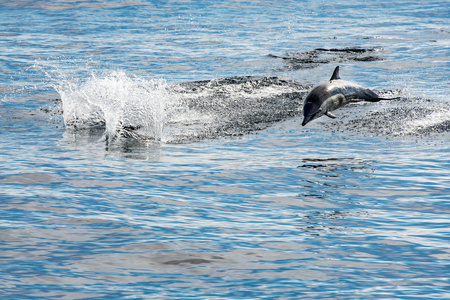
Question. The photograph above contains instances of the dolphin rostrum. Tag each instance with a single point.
(331, 95)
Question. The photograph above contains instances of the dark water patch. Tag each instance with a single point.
(327, 215)
(311, 59)
(416, 118)
(332, 164)
(441, 127)
(240, 105)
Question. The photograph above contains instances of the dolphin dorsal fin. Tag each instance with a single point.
(335, 74)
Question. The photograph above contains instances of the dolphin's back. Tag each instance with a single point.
(351, 91)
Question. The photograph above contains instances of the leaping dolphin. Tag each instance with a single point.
(331, 95)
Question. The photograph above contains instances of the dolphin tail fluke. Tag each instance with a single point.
(335, 75)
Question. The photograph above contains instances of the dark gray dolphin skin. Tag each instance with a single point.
(333, 94)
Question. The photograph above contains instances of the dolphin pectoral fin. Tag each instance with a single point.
(333, 103)
(330, 115)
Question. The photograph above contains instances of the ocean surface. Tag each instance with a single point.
(154, 150)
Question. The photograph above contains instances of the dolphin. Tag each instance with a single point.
(333, 94)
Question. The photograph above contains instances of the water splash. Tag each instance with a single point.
(153, 111)
(123, 105)
(141, 109)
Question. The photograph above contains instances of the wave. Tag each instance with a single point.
(124, 107)
(132, 107)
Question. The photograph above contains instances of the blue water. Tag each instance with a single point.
(154, 149)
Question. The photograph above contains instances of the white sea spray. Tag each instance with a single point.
(124, 105)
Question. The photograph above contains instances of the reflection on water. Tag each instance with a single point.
(200, 223)
(120, 146)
